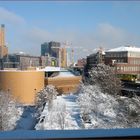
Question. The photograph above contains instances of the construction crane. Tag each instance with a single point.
(72, 56)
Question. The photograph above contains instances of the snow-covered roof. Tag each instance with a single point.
(48, 69)
(65, 74)
(125, 49)
(103, 53)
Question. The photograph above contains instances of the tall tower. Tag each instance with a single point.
(3, 48)
(63, 57)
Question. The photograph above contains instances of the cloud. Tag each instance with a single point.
(10, 17)
(105, 35)
(28, 38)
(105, 31)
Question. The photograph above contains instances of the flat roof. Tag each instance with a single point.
(125, 49)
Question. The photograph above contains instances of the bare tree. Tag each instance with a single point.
(98, 108)
(8, 111)
(108, 111)
(46, 95)
(61, 116)
(105, 77)
(131, 110)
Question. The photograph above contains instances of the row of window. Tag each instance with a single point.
(118, 54)
(121, 61)
(135, 61)
(123, 54)
(126, 68)
(134, 54)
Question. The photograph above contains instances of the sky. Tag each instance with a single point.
(85, 25)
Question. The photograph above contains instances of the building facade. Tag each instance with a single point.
(95, 58)
(23, 85)
(63, 57)
(53, 53)
(125, 59)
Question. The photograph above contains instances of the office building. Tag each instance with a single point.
(55, 50)
(45, 49)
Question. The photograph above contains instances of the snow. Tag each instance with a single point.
(65, 74)
(64, 109)
(22, 53)
(103, 53)
(48, 69)
(125, 48)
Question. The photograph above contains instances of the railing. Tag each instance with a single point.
(98, 134)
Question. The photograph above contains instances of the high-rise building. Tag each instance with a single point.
(3, 48)
(52, 51)
(55, 49)
(45, 49)
(56, 52)
(63, 57)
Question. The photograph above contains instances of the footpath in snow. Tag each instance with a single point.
(63, 114)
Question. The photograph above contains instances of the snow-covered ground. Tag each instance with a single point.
(64, 114)
(27, 119)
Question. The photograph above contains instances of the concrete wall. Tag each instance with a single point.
(22, 84)
(64, 84)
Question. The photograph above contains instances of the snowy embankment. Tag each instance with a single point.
(63, 114)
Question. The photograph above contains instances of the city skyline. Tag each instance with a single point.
(87, 25)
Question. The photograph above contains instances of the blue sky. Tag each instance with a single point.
(86, 25)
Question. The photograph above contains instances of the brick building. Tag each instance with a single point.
(125, 59)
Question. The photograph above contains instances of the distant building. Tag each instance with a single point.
(55, 49)
(3, 48)
(44, 61)
(81, 62)
(21, 61)
(95, 58)
(52, 52)
(126, 59)
(45, 49)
